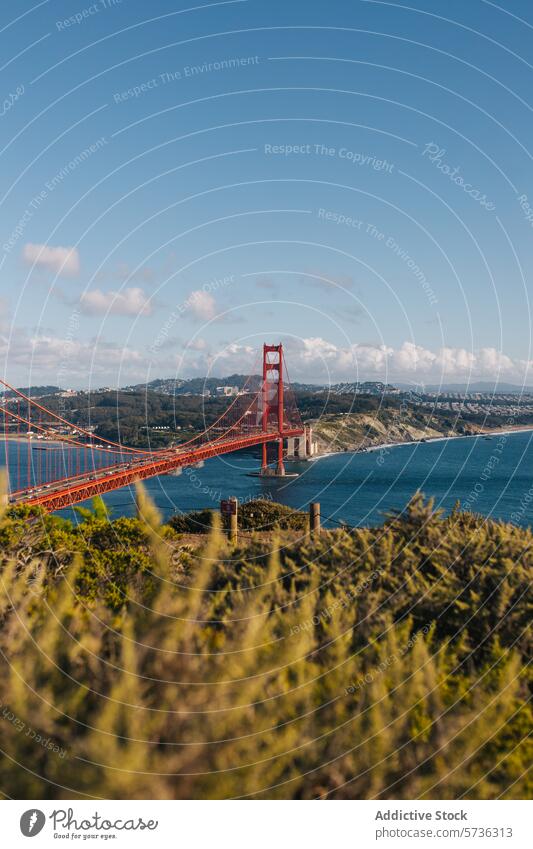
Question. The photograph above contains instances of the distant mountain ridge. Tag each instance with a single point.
(32, 391)
(197, 385)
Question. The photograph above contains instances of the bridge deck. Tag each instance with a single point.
(66, 492)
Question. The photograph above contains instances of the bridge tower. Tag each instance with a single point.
(272, 401)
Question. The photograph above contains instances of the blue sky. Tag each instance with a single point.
(184, 182)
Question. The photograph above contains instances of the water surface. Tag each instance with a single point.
(492, 476)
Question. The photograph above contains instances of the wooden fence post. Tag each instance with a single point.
(314, 519)
(233, 520)
(231, 508)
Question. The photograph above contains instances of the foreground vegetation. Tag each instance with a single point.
(387, 662)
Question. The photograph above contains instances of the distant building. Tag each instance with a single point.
(376, 387)
(228, 391)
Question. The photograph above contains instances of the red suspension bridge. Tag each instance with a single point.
(55, 464)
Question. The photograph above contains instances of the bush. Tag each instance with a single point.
(256, 515)
(196, 522)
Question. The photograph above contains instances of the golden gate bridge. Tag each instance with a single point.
(54, 464)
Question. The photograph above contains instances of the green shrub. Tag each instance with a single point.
(256, 515)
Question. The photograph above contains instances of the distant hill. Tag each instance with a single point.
(167, 386)
(195, 385)
(33, 391)
(198, 385)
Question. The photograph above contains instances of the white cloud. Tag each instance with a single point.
(63, 261)
(128, 302)
(318, 360)
(52, 359)
(202, 305)
(366, 358)
(197, 344)
(316, 348)
(4, 316)
(492, 360)
(414, 360)
(312, 359)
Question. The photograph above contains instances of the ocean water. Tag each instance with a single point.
(492, 476)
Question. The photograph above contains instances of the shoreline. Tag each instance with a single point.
(483, 434)
(378, 446)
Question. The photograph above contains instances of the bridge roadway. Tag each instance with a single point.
(65, 492)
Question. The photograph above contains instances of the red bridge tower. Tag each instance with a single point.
(272, 402)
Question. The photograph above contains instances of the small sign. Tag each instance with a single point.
(228, 508)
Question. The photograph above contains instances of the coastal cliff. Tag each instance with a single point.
(357, 431)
